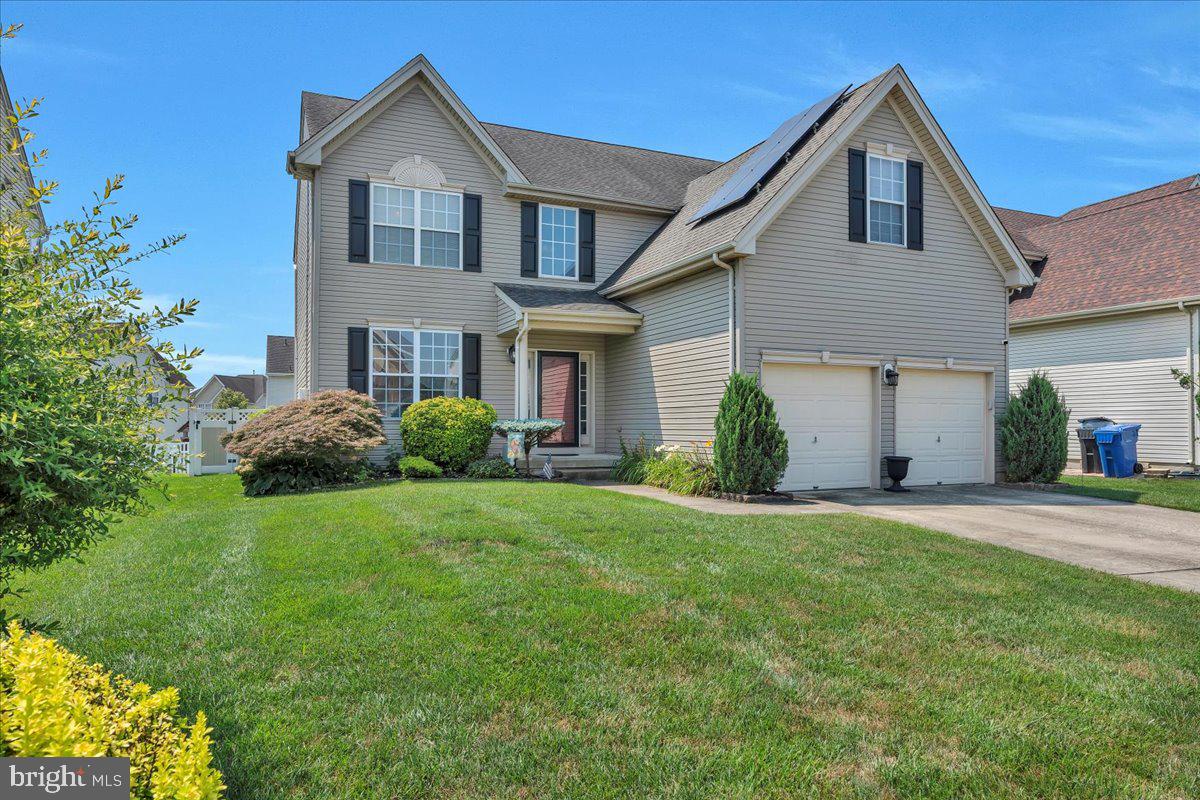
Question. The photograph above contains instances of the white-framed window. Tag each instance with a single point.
(420, 227)
(583, 396)
(885, 200)
(409, 365)
(558, 242)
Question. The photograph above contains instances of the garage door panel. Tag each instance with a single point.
(826, 414)
(940, 423)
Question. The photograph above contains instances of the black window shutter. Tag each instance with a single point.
(472, 233)
(529, 239)
(587, 246)
(858, 195)
(472, 361)
(356, 359)
(359, 221)
(916, 206)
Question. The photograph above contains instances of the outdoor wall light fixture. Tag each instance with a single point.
(512, 354)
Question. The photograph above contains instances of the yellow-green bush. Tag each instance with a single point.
(55, 703)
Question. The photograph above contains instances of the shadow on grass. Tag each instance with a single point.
(1126, 495)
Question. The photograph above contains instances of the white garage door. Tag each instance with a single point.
(940, 418)
(826, 413)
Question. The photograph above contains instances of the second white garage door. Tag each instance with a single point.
(940, 423)
(826, 413)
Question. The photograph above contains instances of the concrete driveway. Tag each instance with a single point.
(1157, 545)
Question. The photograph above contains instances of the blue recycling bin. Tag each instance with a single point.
(1118, 449)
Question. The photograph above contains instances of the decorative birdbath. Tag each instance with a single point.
(526, 434)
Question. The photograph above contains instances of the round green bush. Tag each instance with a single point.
(414, 468)
(449, 431)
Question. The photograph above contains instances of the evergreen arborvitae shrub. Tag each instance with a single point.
(1034, 432)
(750, 450)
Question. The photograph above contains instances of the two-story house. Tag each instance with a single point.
(849, 260)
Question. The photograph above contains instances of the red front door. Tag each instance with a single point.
(558, 395)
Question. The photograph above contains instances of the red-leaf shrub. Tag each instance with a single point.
(306, 443)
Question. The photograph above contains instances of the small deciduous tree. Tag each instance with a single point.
(230, 398)
(1186, 381)
(75, 382)
(750, 450)
(1033, 432)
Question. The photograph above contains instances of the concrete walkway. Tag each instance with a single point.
(1157, 545)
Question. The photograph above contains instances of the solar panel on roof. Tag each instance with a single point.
(766, 156)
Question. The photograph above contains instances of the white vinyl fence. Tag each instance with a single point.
(205, 429)
(173, 456)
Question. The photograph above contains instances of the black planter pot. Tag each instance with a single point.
(897, 471)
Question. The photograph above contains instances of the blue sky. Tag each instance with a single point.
(1050, 106)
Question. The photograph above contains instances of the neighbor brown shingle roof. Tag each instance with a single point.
(565, 163)
(1137, 248)
(281, 354)
(253, 386)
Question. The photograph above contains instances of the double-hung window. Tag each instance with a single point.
(410, 365)
(559, 243)
(885, 200)
(416, 226)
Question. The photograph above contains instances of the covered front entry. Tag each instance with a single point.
(828, 414)
(941, 422)
(562, 393)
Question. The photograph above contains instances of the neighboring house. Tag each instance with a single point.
(1116, 307)
(172, 393)
(617, 287)
(281, 360)
(16, 180)
(254, 387)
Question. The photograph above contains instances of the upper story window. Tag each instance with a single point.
(416, 226)
(559, 242)
(885, 200)
(410, 365)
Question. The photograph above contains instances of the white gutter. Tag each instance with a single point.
(1193, 316)
(729, 268)
(674, 270)
(1091, 313)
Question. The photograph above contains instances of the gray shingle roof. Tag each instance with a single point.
(557, 299)
(678, 239)
(253, 386)
(565, 163)
(281, 354)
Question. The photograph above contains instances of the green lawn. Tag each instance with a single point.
(505, 640)
(1165, 492)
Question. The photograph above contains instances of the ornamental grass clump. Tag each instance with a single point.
(55, 703)
(1033, 432)
(680, 471)
(449, 431)
(750, 451)
(305, 444)
(630, 467)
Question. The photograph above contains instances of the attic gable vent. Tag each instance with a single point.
(417, 171)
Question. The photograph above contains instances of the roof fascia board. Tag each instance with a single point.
(1108, 311)
(514, 189)
(310, 152)
(964, 175)
(680, 268)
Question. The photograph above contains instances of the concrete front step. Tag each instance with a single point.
(585, 466)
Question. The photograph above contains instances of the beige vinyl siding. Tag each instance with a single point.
(360, 294)
(506, 318)
(808, 288)
(666, 380)
(303, 280)
(1116, 367)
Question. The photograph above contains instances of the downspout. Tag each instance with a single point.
(729, 269)
(1194, 388)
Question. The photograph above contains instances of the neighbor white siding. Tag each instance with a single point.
(809, 288)
(280, 389)
(1116, 367)
(666, 380)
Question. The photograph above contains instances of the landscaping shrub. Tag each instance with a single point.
(305, 444)
(230, 398)
(631, 466)
(750, 450)
(1033, 432)
(491, 468)
(449, 431)
(416, 468)
(681, 472)
(55, 703)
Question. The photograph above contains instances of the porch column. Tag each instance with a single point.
(522, 367)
